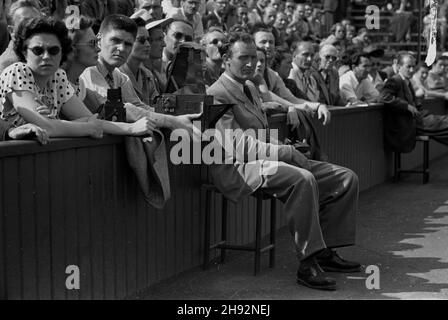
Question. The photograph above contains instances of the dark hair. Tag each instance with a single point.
(18, 5)
(238, 28)
(139, 22)
(356, 58)
(49, 25)
(259, 27)
(334, 27)
(234, 38)
(119, 22)
(76, 34)
(279, 56)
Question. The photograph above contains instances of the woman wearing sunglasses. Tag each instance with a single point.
(37, 91)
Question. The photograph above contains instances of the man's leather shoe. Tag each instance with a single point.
(311, 275)
(330, 261)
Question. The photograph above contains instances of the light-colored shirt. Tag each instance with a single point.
(354, 91)
(94, 80)
(305, 82)
(144, 82)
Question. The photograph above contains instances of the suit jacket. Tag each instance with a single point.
(400, 126)
(328, 93)
(242, 177)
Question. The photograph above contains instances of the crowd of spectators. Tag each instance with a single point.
(61, 60)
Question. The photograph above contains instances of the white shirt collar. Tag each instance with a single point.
(238, 84)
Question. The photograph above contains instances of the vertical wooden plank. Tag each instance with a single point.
(180, 214)
(58, 237)
(3, 262)
(125, 179)
(131, 249)
(82, 182)
(170, 227)
(109, 216)
(143, 211)
(72, 224)
(43, 225)
(26, 182)
(12, 229)
(97, 207)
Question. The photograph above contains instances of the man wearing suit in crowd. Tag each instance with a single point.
(327, 77)
(404, 115)
(320, 198)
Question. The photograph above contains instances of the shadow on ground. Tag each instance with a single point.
(402, 229)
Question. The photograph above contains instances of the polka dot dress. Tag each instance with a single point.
(19, 77)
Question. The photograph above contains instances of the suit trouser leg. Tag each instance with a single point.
(338, 200)
(332, 189)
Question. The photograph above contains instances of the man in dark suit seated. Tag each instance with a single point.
(320, 198)
(404, 115)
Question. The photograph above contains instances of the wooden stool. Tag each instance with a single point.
(425, 169)
(223, 245)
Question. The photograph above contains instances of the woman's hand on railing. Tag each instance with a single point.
(29, 130)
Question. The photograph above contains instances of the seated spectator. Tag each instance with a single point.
(256, 14)
(327, 78)
(393, 69)
(355, 85)
(118, 34)
(290, 8)
(35, 90)
(302, 69)
(189, 11)
(178, 31)
(143, 80)
(213, 41)
(297, 181)
(420, 85)
(216, 17)
(301, 23)
(264, 40)
(242, 15)
(350, 32)
(362, 39)
(404, 115)
(19, 11)
(98, 10)
(281, 23)
(437, 75)
(316, 24)
(125, 7)
(337, 38)
(153, 8)
(276, 4)
(269, 18)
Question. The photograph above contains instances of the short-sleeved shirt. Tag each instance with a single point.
(19, 77)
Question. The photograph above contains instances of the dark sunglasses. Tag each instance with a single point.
(53, 51)
(179, 36)
(332, 58)
(142, 40)
(215, 41)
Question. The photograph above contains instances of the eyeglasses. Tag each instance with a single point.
(179, 36)
(142, 40)
(92, 43)
(329, 57)
(215, 41)
(38, 51)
